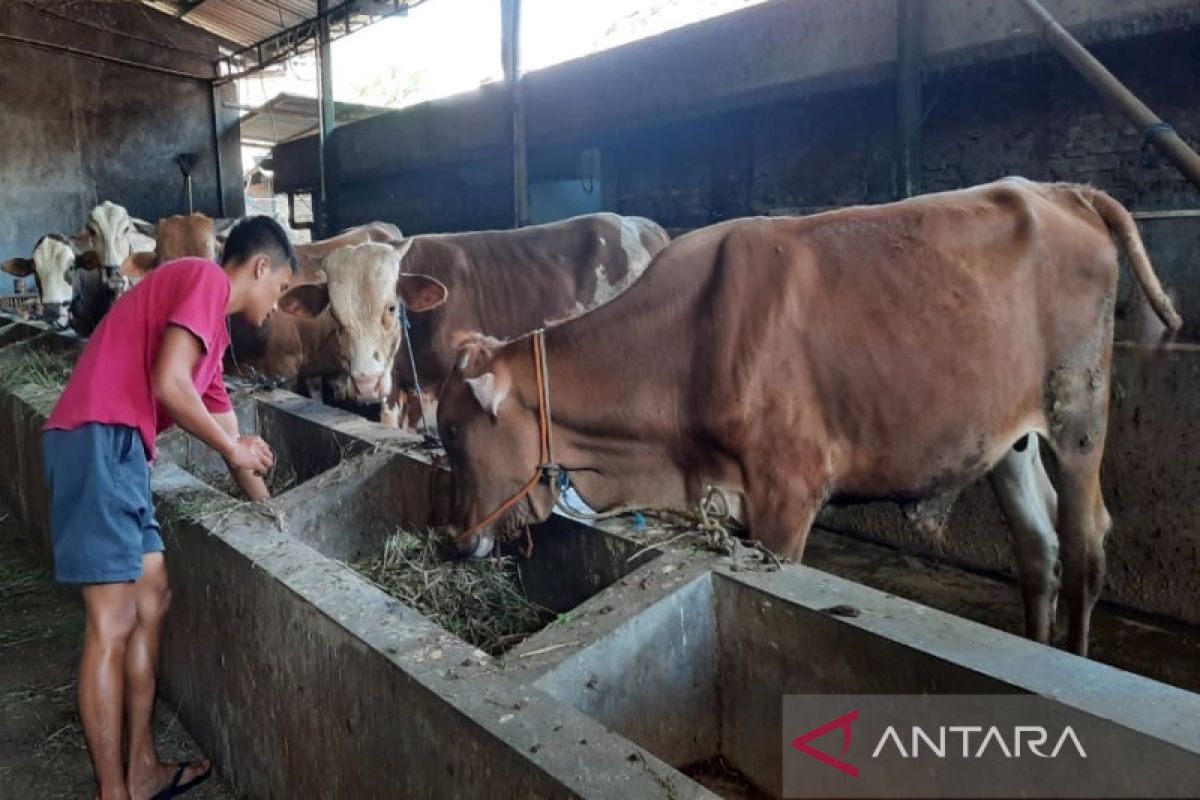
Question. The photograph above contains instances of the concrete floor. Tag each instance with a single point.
(42, 750)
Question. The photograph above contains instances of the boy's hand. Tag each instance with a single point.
(251, 453)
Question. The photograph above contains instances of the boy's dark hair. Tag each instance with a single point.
(260, 235)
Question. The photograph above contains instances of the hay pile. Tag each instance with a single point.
(480, 601)
(42, 373)
(196, 505)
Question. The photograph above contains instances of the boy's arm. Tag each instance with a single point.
(252, 485)
(178, 355)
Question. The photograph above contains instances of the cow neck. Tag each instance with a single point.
(594, 389)
(547, 468)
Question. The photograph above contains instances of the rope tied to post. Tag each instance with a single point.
(1156, 128)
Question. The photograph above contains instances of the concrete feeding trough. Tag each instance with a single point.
(303, 679)
(303, 449)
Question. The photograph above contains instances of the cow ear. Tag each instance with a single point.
(491, 390)
(307, 300)
(81, 242)
(18, 267)
(421, 292)
(88, 260)
(138, 265)
(144, 227)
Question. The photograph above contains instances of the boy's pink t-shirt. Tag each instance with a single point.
(111, 382)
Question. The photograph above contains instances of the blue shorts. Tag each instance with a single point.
(101, 513)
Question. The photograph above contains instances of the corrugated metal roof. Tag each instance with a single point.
(244, 22)
(273, 24)
(248, 22)
(288, 116)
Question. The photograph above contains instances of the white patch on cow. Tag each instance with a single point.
(487, 391)
(362, 288)
(636, 253)
(54, 263)
(637, 258)
(1030, 504)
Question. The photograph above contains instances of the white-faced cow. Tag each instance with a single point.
(303, 351)
(501, 282)
(53, 266)
(109, 237)
(114, 236)
(896, 352)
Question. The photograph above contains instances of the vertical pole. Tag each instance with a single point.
(510, 52)
(909, 52)
(326, 119)
(217, 160)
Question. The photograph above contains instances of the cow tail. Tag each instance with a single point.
(1121, 224)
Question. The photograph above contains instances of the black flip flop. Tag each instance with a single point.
(175, 789)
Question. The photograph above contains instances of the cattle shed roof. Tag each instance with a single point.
(267, 31)
(287, 116)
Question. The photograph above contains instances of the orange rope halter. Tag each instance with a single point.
(546, 468)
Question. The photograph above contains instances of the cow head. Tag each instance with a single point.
(113, 236)
(490, 432)
(175, 237)
(363, 290)
(53, 269)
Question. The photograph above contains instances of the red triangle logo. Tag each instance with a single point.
(843, 722)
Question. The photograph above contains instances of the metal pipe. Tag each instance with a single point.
(62, 48)
(325, 121)
(510, 51)
(1157, 132)
(217, 160)
(1177, 213)
(909, 53)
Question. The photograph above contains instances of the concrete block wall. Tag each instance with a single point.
(79, 130)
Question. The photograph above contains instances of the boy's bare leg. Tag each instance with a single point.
(111, 616)
(146, 776)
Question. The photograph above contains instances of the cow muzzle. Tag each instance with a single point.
(369, 388)
(55, 314)
(478, 545)
(116, 282)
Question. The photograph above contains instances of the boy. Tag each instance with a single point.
(155, 360)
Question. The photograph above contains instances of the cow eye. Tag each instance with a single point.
(391, 309)
(452, 433)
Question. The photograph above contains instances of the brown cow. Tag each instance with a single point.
(896, 352)
(501, 282)
(174, 237)
(295, 349)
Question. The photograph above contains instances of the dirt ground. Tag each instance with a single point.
(42, 751)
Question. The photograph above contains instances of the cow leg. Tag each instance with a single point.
(1083, 522)
(389, 412)
(1077, 406)
(423, 405)
(1030, 504)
